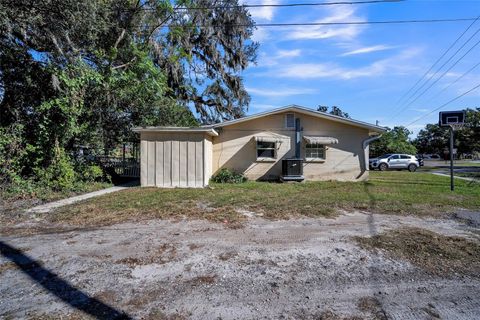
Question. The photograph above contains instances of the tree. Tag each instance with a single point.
(393, 141)
(210, 47)
(336, 111)
(433, 139)
(87, 72)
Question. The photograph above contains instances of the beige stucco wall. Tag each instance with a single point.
(235, 148)
(173, 159)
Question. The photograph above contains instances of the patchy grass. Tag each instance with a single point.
(47, 195)
(7, 266)
(395, 192)
(202, 280)
(373, 306)
(10, 203)
(161, 255)
(436, 253)
(386, 192)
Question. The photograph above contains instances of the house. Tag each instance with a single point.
(331, 148)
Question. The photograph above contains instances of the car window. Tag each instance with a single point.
(403, 156)
(394, 157)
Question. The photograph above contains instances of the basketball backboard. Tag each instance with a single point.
(451, 118)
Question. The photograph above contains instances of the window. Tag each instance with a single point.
(289, 120)
(265, 149)
(315, 151)
(404, 156)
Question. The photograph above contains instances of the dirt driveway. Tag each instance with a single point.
(290, 269)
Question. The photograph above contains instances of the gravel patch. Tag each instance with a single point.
(309, 268)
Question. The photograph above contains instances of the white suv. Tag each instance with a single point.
(395, 161)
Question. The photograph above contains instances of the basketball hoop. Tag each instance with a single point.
(454, 120)
(456, 126)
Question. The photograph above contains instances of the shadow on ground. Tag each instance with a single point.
(59, 287)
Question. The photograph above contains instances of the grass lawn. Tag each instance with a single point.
(475, 175)
(385, 192)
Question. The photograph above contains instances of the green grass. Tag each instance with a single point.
(387, 192)
(475, 175)
(45, 194)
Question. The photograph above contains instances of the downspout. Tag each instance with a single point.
(365, 143)
(297, 138)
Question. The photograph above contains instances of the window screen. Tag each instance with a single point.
(290, 120)
(315, 151)
(265, 149)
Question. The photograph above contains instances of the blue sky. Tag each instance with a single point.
(362, 69)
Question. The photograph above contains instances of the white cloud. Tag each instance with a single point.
(397, 64)
(284, 92)
(367, 50)
(288, 53)
(326, 70)
(263, 13)
(337, 14)
(260, 35)
(268, 60)
(422, 110)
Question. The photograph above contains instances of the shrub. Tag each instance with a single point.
(228, 176)
(12, 153)
(60, 174)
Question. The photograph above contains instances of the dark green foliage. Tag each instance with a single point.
(228, 176)
(393, 141)
(434, 139)
(86, 72)
(336, 111)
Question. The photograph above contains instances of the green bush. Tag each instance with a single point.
(12, 154)
(228, 176)
(60, 174)
(92, 173)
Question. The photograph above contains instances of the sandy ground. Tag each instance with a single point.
(295, 269)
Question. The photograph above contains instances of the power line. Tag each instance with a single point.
(443, 74)
(409, 102)
(287, 5)
(443, 105)
(456, 80)
(362, 22)
(437, 61)
(325, 23)
(445, 63)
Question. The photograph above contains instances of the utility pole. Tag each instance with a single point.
(452, 185)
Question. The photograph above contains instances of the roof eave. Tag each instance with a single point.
(304, 110)
(209, 131)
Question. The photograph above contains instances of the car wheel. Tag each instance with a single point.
(412, 168)
(383, 167)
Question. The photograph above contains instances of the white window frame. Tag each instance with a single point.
(318, 147)
(286, 120)
(266, 158)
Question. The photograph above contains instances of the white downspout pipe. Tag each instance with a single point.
(365, 143)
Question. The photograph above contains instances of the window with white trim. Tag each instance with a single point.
(289, 120)
(265, 150)
(315, 151)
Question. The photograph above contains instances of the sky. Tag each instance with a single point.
(366, 69)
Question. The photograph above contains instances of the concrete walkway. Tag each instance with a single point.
(47, 207)
(456, 177)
